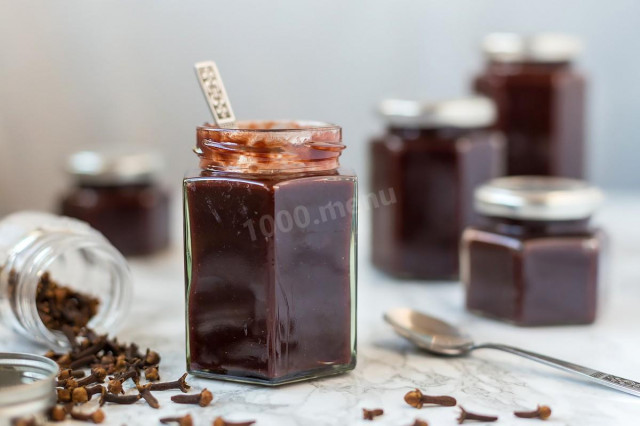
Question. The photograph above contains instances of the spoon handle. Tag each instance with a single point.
(615, 382)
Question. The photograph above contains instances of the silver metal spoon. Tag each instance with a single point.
(440, 338)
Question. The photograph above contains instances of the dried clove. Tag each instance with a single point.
(82, 362)
(115, 386)
(203, 398)
(420, 422)
(96, 389)
(70, 374)
(180, 384)
(64, 395)
(466, 415)
(119, 399)
(182, 421)
(145, 393)
(151, 374)
(543, 412)
(371, 414)
(151, 358)
(57, 413)
(417, 399)
(97, 376)
(79, 395)
(219, 421)
(95, 417)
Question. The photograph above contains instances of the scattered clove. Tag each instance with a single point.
(180, 384)
(420, 422)
(151, 358)
(371, 414)
(115, 386)
(182, 421)
(95, 417)
(119, 399)
(145, 393)
(151, 374)
(543, 412)
(97, 376)
(79, 395)
(58, 413)
(70, 374)
(417, 399)
(219, 421)
(203, 398)
(95, 389)
(466, 415)
(64, 395)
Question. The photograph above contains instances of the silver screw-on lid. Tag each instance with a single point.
(544, 47)
(537, 198)
(116, 166)
(27, 386)
(472, 112)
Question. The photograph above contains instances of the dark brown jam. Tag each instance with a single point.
(541, 109)
(133, 216)
(270, 255)
(532, 272)
(432, 173)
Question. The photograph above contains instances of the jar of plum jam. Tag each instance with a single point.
(118, 194)
(540, 99)
(536, 259)
(427, 165)
(270, 253)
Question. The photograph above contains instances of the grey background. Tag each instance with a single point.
(77, 73)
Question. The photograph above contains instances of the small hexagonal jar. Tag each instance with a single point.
(423, 173)
(535, 259)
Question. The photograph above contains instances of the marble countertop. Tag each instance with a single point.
(488, 381)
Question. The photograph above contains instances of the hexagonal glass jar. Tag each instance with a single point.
(426, 165)
(270, 254)
(535, 260)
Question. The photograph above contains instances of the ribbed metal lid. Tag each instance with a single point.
(114, 166)
(472, 112)
(543, 47)
(27, 385)
(537, 198)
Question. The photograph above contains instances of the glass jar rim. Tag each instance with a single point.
(284, 125)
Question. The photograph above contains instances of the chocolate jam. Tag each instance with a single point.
(535, 258)
(432, 160)
(270, 226)
(118, 195)
(541, 102)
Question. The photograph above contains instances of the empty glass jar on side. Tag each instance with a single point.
(72, 253)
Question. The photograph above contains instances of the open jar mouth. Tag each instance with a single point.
(270, 146)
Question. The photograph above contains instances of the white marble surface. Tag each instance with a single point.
(388, 366)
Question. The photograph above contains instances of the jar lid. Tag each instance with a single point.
(537, 198)
(27, 385)
(543, 47)
(109, 167)
(472, 112)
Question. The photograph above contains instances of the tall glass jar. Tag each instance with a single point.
(430, 159)
(270, 253)
(71, 252)
(541, 102)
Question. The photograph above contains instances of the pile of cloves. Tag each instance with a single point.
(98, 365)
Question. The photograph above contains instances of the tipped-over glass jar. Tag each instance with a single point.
(34, 244)
(536, 259)
(431, 158)
(117, 192)
(540, 99)
(270, 253)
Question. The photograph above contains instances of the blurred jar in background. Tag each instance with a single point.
(540, 100)
(535, 258)
(431, 158)
(117, 193)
